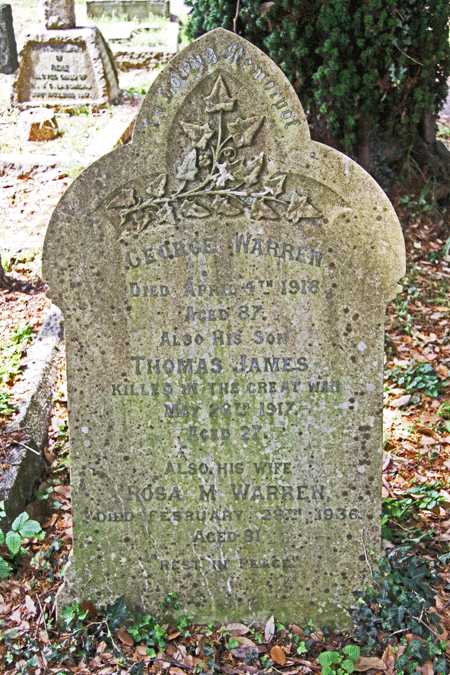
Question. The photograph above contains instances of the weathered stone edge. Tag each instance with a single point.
(17, 484)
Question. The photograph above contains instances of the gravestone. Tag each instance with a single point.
(224, 282)
(58, 14)
(138, 10)
(8, 49)
(63, 65)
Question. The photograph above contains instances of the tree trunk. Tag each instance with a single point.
(364, 152)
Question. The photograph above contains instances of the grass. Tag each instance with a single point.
(75, 132)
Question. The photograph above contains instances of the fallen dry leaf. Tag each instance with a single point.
(426, 669)
(278, 655)
(140, 651)
(63, 491)
(269, 630)
(234, 629)
(398, 402)
(125, 637)
(367, 662)
(388, 658)
(31, 607)
(88, 607)
(174, 670)
(245, 642)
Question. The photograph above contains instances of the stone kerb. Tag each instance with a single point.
(18, 483)
(224, 282)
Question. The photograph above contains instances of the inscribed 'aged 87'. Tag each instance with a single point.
(224, 282)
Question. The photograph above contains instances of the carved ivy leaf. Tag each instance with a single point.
(300, 207)
(157, 186)
(165, 215)
(221, 178)
(188, 167)
(137, 222)
(199, 134)
(223, 207)
(125, 198)
(262, 211)
(275, 185)
(251, 171)
(243, 130)
(219, 98)
(193, 210)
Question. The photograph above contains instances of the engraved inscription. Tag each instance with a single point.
(60, 71)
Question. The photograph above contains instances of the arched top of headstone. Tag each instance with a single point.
(222, 134)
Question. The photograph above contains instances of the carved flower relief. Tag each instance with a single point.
(217, 174)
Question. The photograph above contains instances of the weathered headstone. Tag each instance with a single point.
(139, 10)
(59, 14)
(224, 282)
(8, 49)
(63, 65)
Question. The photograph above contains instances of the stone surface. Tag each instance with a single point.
(8, 49)
(131, 9)
(18, 483)
(38, 124)
(224, 282)
(127, 57)
(65, 67)
(58, 14)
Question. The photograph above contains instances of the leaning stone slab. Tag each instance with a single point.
(8, 49)
(64, 67)
(18, 483)
(224, 282)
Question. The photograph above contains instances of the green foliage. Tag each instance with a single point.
(116, 614)
(444, 414)
(171, 601)
(6, 408)
(148, 629)
(400, 600)
(418, 377)
(355, 65)
(11, 353)
(73, 615)
(417, 498)
(22, 528)
(334, 662)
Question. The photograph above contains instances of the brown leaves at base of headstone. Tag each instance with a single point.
(125, 637)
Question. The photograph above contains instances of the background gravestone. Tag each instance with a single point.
(8, 50)
(130, 9)
(58, 14)
(224, 282)
(63, 65)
